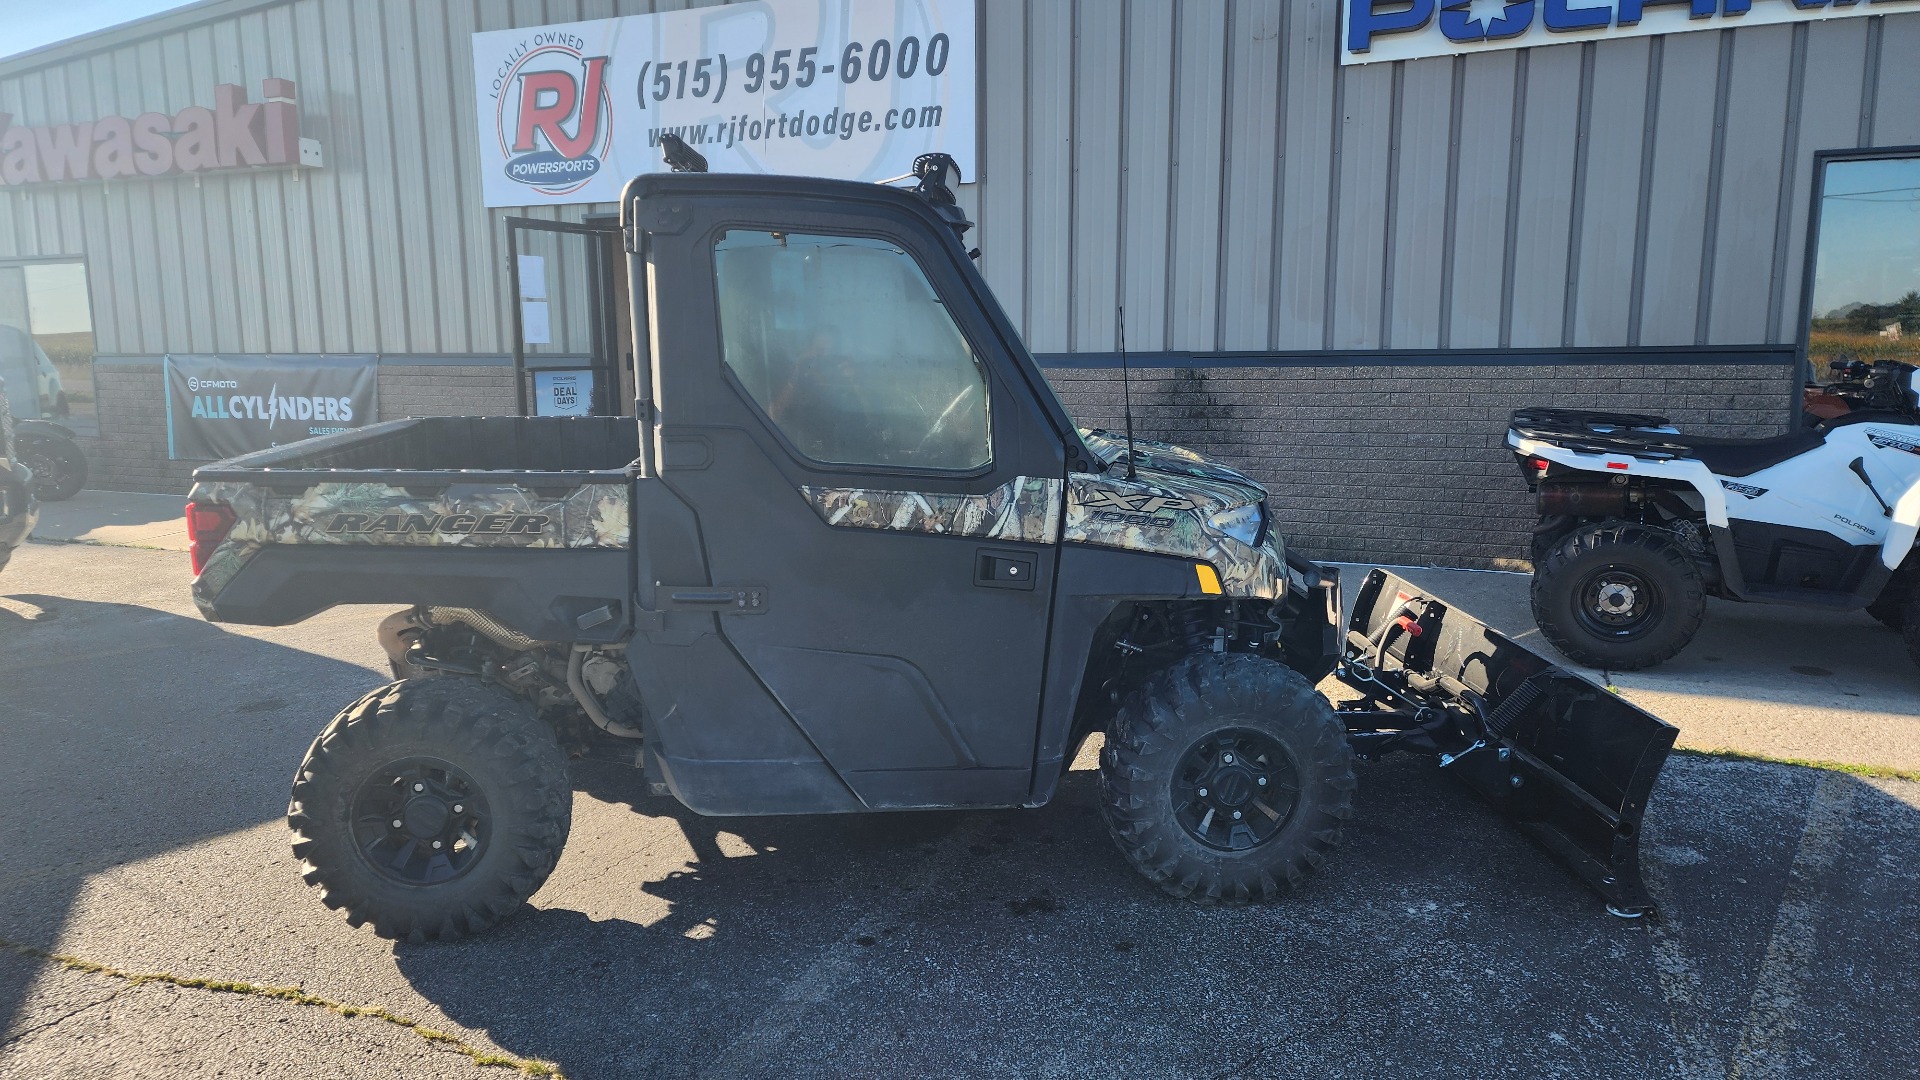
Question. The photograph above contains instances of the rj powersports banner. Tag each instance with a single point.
(853, 89)
(1375, 30)
(224, 406)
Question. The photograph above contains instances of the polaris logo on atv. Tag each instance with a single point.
(1143, 504)
(545, 85)
(461, 524)
(1890, 442)
(1748, 490)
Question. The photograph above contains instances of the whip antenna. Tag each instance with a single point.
(1126, 391)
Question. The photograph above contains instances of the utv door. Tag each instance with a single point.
(853, 534)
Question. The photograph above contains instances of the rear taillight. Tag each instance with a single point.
(207, 527)
(1539, 467)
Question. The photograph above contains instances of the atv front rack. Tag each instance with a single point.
(1569, 761)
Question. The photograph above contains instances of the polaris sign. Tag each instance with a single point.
(1375, 30)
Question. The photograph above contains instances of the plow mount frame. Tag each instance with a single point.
(1570, 762)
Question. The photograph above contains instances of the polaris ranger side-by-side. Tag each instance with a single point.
(854, 556)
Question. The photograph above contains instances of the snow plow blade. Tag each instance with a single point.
(1569, 761)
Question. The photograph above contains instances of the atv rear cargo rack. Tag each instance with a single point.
(1586, 432)
(1570, 762)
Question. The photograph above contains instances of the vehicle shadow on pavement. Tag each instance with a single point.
(1019, 942)
(128, 732)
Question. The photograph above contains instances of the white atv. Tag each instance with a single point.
(1639, 523)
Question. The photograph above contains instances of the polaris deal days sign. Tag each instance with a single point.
(1375, 30)
(853, 89)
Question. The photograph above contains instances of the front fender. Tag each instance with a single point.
(1901, 533)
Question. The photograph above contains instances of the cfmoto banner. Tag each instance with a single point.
(853, 89)
(224, 406)
(1377, 30)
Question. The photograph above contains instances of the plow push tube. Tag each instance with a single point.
(1569, 762)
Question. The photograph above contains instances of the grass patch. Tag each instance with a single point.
(295, 995)
(1876, 772)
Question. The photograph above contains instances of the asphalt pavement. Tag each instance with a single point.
(143, 779)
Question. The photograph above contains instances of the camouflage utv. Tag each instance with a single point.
(852, 556)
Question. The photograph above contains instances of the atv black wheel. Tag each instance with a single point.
(59, 469)
(1225, 779)
(1619, 597)
(1909, 626)
(1896, 598)
(431, 808)
(1891, 609)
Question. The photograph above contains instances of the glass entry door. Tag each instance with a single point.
(570, 339)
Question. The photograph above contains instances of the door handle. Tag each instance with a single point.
(1005, 569)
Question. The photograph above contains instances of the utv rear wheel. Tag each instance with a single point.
(1618, 596)
(1225, 779)
(431, 808)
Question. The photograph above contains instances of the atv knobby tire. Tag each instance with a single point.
(1895, 602)
(1182, 719)
(1892, 609)
(457, 735)
(1604, 563)
(1909, 626)
(59, 468)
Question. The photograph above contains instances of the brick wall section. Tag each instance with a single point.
(1406, 463)
(131, 452)
(445, 390)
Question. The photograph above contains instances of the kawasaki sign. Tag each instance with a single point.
(234, 134)
(1375, 30)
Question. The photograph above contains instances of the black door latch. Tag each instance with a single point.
(1005, 569)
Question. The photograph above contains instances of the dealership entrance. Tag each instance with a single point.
(572, 330)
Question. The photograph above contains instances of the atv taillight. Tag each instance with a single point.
(207, 527)
(1539, 467)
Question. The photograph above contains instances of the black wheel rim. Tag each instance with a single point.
(421, 821)
(1235, 790)
(46, 474)
(1617, 603)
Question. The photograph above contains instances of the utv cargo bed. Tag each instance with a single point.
(484, 513)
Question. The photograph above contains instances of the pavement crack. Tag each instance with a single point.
(63, 1017)
(533, 1067)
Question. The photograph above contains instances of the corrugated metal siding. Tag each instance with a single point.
(1204, 162)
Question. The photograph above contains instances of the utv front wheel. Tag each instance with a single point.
(431, 808)
(1225, 779)
(1618, 596)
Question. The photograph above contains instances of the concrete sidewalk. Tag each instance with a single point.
(116, 518)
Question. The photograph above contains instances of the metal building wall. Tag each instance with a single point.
(1238, 191)
(1205, 163)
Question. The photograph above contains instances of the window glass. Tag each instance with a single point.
(844, 344)
(1866, 278)
(46, 342)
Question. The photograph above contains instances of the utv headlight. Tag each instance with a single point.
(1247, 524)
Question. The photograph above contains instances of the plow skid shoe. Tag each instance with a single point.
(1569, 761)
